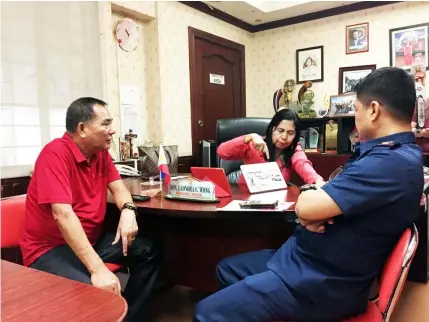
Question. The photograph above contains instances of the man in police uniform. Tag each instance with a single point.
(348, 227)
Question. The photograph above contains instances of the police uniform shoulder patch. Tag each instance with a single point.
(388, 144)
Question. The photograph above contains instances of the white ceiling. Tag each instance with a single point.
(259, 12)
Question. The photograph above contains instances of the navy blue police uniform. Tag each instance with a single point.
(327, 277)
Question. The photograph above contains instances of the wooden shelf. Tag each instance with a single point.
(346, 124)
(325, 119)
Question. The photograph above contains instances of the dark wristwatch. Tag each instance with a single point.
(307, 187)
(131, 206)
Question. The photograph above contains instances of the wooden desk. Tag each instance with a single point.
(31, 295)
(197, 236)
(165, 207)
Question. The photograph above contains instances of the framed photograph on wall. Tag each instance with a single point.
(408, 45)
(357, 38)
(342, 105)
(309, 64)
(348, 77)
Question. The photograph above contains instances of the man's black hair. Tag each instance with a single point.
(81, 110)
(391, 87)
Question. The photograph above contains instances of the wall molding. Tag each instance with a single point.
(363, 5)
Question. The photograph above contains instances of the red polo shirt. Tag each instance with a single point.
(63, 175)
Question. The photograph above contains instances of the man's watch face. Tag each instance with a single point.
(130, 205)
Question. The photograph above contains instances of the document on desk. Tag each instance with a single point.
(235, 206)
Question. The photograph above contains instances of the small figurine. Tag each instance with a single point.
(130, 136)
(288, 88)
(303, 89)
(418, 70)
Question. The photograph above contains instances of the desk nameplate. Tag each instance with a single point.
(191, 188)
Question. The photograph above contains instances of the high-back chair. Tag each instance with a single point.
(227, 129)
(392, 279)
(12, 225)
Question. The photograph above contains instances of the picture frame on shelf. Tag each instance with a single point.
(309, 64)
(348, 77)
(408, 45)
(357, 38)
(342, 105)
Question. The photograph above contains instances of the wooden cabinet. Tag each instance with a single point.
(345, 126)
(18, 186)
(324, 164)
(14, 186)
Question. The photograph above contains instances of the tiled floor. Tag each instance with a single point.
(177, 305)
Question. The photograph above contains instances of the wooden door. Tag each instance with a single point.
(217, 70)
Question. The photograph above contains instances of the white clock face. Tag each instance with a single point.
(127, 34)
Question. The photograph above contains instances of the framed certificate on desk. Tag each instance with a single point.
(262, 177)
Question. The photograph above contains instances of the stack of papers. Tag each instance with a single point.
(235, 206)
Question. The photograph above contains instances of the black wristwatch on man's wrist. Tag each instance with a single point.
(131, 206)
(306, 187)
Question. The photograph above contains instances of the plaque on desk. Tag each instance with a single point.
(191, 189)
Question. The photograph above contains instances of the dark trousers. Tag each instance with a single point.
(250, 293)
(143, 260)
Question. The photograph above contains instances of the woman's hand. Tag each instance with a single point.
(258, 142)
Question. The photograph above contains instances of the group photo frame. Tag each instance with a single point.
(342, 105)
(348, 77)
(409, 45)
(309, 64)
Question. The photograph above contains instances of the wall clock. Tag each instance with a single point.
(127, 34)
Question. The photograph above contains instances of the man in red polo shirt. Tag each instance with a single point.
(66, 204)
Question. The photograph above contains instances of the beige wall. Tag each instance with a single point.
(160, 66)
(173, 21)
(275, 50)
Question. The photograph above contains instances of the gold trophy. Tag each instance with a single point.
(288, 88)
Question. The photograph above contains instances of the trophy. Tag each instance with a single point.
(420, 109)
(418, 70)
(288, 88)
(313, 138)
(305, 100)
(331, 135)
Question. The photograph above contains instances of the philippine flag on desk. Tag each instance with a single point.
(164, 172)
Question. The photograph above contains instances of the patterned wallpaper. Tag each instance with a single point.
(161, 66)
(173, 21)
(154, 112)
(272, 52)
(124, 68)
(132, 71)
